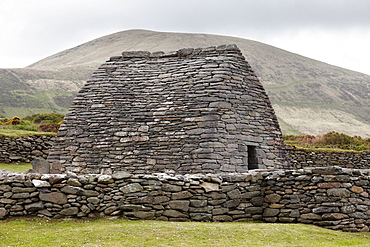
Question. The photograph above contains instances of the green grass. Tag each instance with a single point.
(24, 125)
(22, 133)
(21, 167)
(103, 232)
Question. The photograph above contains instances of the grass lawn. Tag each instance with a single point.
(21, 167)
(104, 232)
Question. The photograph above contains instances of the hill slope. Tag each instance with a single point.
(309, 96)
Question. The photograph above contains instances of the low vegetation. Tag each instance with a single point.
(21, 167)
(37, 124)
(331, 140)
(103, 232)
(45, 118)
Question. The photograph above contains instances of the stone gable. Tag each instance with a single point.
(189, 111)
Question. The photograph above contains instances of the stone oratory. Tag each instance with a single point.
(197, 110)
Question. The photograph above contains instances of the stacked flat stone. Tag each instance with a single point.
(24, 149)
(300, 158)
(189, 111)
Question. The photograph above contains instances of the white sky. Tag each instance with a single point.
(333, 31)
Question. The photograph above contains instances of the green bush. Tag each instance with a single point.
(339, 140)
(45, 118)
(332, 140)
(49, 127)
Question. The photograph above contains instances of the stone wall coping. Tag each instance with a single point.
(185, 52)
(253, 175)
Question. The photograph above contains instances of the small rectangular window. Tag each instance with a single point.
(252, 158)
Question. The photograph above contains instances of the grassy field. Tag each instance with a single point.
(30, 125)
(103, 232)
(21, 167)
(21, 133)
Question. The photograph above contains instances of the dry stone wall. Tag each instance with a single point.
(189, 111)
(331, 197)
(24, 149)
(300, 158)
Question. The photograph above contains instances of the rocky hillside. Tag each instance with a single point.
(309, 96)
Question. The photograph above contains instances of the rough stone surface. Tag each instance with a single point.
(3, 213)
(38, 206)
(105, 179)
(189, 111)
(54, 197)
(69, 211)
(39, 165)
(131, 188)
(40, 183)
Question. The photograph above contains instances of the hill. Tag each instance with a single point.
(309, 96)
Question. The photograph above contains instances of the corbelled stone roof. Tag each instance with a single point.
(190, 111)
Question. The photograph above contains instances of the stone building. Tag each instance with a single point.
(189, 111)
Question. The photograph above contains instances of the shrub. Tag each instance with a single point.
(45, 118)
(330, 140)
(339, 140)
(14, 121)
(49, 127)
(307, 140)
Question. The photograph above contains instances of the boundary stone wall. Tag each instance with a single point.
(300, 158)
(24, 149)
(331, 197)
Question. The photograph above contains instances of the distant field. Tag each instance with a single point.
(22, 167)
(321, 119)
(103, 232)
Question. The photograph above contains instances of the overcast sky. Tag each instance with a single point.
(333, 31)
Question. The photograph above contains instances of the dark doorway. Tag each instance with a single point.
(252, 158)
